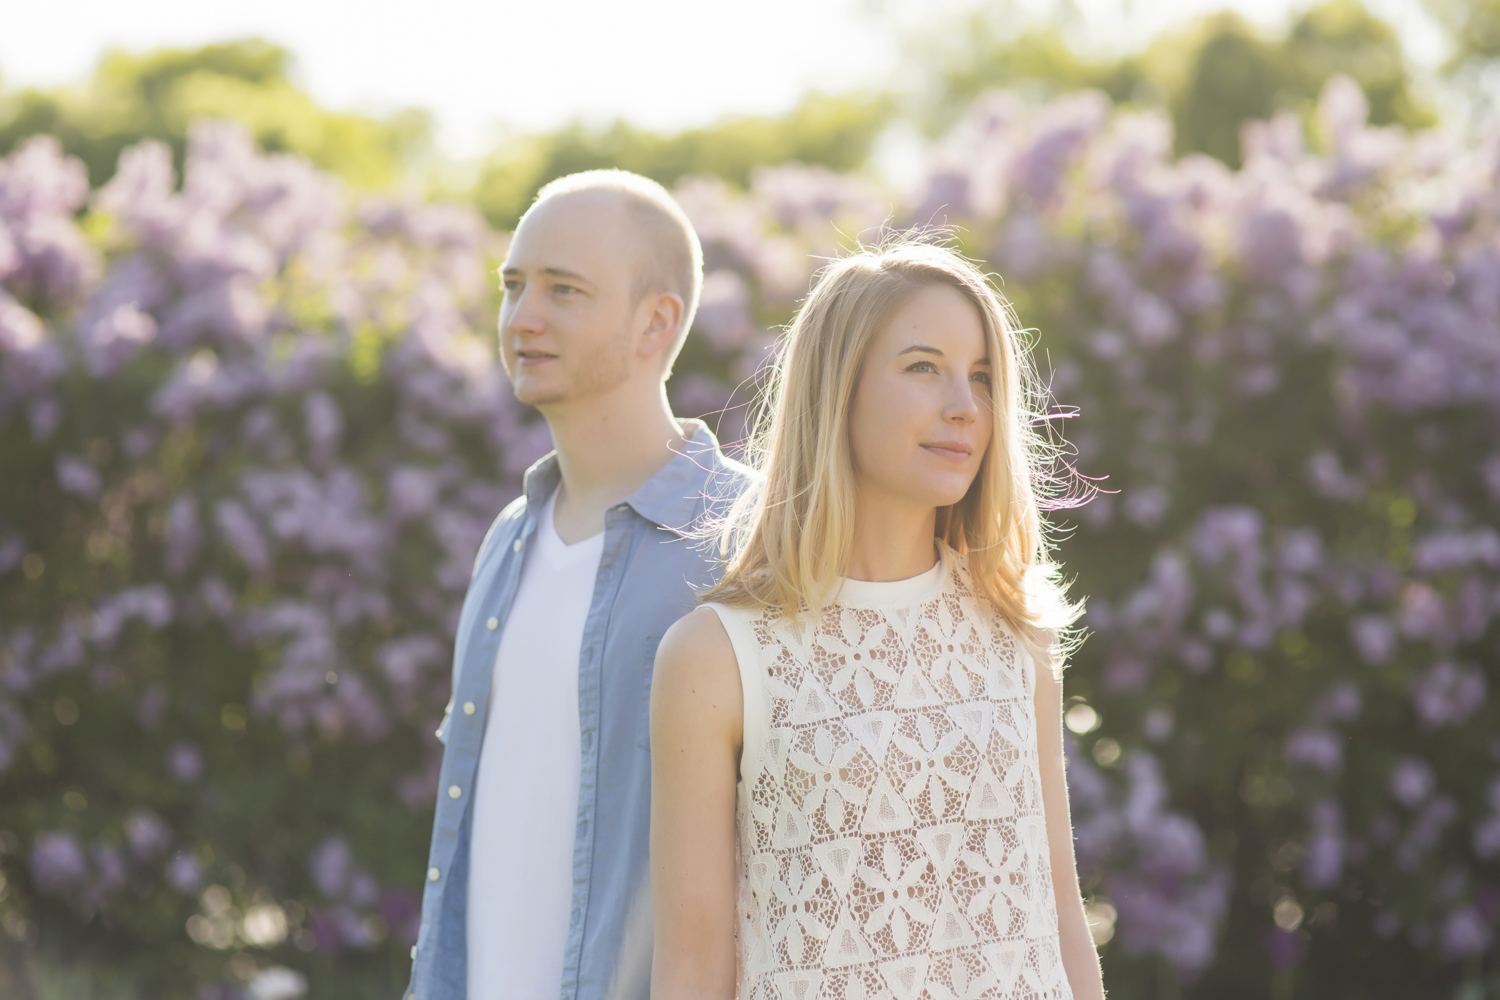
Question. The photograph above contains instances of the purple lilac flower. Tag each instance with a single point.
(146, 834)
(184, 874)
(1465, 932)
(1322, 749)
(114, 339)
(152, 703)
(331, 866)
(1340, 703)
(185, 762)
(724, 311)
(109, 868)
(1448, 693)
(150, 604)
(1323, 865)
(1374, 637)
(57, 863)
(1453, 550)
(243, 535)
(77, 477)
(1412, 780)
(184, 534)
(325, 425)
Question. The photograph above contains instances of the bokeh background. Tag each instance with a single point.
(252, 430)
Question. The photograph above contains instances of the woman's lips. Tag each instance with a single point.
(953, 451)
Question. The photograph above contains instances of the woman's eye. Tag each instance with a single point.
(564, 289)
(511, 287)
(983, 378)
(922, 366)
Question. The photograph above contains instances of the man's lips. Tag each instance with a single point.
(954, 451)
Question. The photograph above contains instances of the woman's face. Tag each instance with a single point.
(921, 418)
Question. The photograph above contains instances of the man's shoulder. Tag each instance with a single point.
(504, 525)
(724, 478)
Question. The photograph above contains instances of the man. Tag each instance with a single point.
(538, 884)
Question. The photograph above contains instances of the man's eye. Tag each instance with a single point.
(511, 286)
(564, 289)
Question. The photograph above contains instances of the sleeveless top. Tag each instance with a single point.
(892, 844)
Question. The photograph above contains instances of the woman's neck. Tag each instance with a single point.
(892, 540)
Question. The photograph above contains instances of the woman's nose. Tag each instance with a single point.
(963, 407)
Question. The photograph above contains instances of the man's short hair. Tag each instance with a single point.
(674, 258)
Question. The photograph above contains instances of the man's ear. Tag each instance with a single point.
(663, 315)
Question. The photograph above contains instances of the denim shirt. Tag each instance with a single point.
(648, 576)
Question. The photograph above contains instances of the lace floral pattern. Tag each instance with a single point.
(892, 841)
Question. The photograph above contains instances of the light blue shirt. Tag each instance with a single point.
(649, 575)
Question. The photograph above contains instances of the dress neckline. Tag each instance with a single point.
(889, 593)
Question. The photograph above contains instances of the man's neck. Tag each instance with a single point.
(607, 447)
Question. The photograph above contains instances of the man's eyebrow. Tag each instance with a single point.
(555, 272)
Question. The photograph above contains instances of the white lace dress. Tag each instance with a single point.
(891, 836)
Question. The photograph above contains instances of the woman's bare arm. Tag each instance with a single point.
(696, 725)
(1080, 959)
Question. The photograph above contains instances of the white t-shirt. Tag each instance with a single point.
(526, 789)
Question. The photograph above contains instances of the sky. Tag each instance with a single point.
(481, 65)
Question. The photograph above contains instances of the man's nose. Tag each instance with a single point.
(518, 315)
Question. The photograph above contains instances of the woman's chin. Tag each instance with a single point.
(941, 495)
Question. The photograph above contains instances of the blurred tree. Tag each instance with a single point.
(1214, 75)
(1039, 61)
(1236, 76)
(1475, 29)
(836, 132)
(1473, 64)
(155, 96)
(1232, 79)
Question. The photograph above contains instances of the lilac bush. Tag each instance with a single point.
(253, 434)
(252, 430)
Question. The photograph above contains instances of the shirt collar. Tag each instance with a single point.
(672, 497)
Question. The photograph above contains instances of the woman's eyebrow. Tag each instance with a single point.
(924, 349)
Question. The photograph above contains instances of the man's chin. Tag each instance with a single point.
(538, 395)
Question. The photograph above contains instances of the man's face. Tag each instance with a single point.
(566, 324)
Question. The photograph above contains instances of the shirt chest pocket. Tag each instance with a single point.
(648, 668)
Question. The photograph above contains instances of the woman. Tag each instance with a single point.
(858, 785)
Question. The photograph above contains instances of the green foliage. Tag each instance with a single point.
(836, 132)
(1236, 76)
(159, 95)
(1474, 26)
(1039, 61)
(1214, 76)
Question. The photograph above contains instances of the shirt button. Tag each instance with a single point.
(433, 874)
(468, 708)
(516, 545)
(454, 791)
(492, 623)
(414, 957)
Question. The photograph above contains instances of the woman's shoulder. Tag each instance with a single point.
(698, 643)
(696, 669)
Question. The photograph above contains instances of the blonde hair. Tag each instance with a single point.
(787, 540)
(672, 257)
